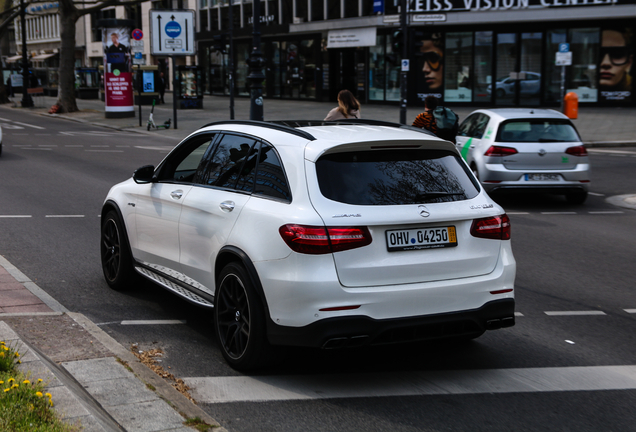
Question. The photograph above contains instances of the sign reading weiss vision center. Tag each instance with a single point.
(482, 5)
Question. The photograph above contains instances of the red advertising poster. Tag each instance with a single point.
(119, 91)
(118, 81)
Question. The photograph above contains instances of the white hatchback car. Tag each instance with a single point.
(317, 234)
(536, 150)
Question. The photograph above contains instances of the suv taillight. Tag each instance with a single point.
(494, 227)
(576, 151)
(317, 240)
(500, 151)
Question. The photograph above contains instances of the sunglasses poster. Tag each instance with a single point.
(615, 69)
(430, 65)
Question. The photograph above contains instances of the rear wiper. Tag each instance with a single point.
(550, 140)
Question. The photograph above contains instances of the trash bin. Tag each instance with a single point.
(571, 105)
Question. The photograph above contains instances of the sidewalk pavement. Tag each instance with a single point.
(96, 381)
(93, 380)
(598, 126)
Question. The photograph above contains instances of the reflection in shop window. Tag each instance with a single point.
(376, 69)
(393, 66)
(458, 77)
(552, 80)
(584, 44)
(483, 66)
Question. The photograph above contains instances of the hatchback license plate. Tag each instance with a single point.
(421, 238)
(543, 177)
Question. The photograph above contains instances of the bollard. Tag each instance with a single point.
(571, 105)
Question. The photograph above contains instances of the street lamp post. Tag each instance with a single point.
(256, 63)
(27, 101)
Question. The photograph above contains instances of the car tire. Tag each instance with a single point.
(501, 93)
(240, 320)
(578, 197)
(117, 263)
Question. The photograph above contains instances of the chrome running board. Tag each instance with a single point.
(166, 283)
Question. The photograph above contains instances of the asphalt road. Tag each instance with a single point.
(55, 174)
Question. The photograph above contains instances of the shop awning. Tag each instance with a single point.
(42, 56)
(14, 58)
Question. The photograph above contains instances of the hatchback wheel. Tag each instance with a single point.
(116, 257)
(577, 197)
(240, 320)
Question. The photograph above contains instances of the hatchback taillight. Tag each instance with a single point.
(576, 151)
(494, 227)
(500, 151)
(317, 240)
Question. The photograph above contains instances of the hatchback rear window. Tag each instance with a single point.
(537, 131)
(390, 177)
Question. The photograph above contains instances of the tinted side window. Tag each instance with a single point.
(464, 128)
(270, 177)
(480, 126)
(224, 166)
(394, 177)
(182, 164)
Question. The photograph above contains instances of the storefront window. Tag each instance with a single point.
(276, 68)
(308, 69)
(552, 79)
(584, 44)
(392, 76)
(242, 51)
(483, 66)
(217, 73)
(376, 69)
(458, 74)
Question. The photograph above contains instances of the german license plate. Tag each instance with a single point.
(421, 238)
(543, 177)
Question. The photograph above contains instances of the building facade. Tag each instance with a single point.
(466, 52)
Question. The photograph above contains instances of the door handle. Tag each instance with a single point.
(227, 206)
(176, 194)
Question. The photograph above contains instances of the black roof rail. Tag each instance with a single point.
(353, 121)
(270, 125)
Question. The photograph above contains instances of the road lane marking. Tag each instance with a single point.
(574, 313)
(630, 310)
(64, 216)
(105, 151)
(151, 322)
(596, 194)
(413, 383)
(15, 216)
(606, 212)
(518, 314)
(517, 213)
(558, 213)
(29, 125)
(610, 151)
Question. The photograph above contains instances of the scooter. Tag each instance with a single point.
(151, 121)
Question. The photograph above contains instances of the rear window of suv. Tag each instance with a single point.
(537, 131)
(393, 177)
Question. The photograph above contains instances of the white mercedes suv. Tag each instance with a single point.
(317, 234)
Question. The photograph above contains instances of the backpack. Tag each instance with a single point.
(447, 123)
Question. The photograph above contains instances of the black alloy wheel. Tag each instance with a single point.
(239, 319)
(116, 258)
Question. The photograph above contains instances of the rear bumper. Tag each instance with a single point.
(571, 179)
(340, 332)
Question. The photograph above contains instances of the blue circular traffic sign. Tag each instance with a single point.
(173, 29)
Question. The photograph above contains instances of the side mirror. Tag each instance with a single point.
(144, 174)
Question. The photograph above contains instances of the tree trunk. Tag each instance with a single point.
(66, 87)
